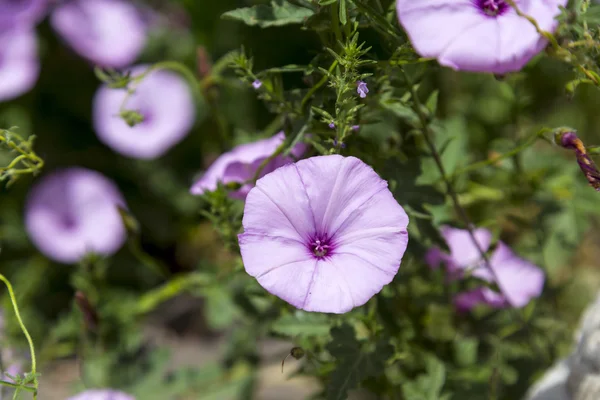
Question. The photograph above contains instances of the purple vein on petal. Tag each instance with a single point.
(267, 236)
(310, 284)
(348, 253)
(307, 198)
(346, 282)
(357, 210)
(325, 220)
(280, 266)
(367, 233)
(281, 210)
(464, 32)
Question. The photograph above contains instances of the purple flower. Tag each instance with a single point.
(331, 125)
(241, 163)
(324, 234)
(256, 84)
(21, 13)
(110, 33)
(478, 35)
(19, 65)
(73, 212)
(166, 104)
(518, 280)
(355, 128)
(102, 394)
(569, 140)
(362, 89)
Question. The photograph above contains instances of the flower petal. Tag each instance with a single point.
(483, 295)
(463, 252)
(336, 187)
(422, 21)
(19, 65)
(165, 101)
(107, 32)
(278, 206)
(519, 280)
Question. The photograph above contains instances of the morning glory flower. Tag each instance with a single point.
(324, 234)
(16, 14)
(256, 84)
(72, 212)
(478, 35)
(166, 106)
(362, 89)
(19, 64)
(519, 280)
(110, 33)
(240, 164)
(102, 394)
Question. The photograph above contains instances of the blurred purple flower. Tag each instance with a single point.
(110, 33)
(19, 64)
(518, 280)
(21, 14)
(355, 128)
(256, 84)
(478, 35)
(324, 234)
(241, 163)
(102, 394)
(166, 104)
(73, 212)
(331, 125)
(362, 89)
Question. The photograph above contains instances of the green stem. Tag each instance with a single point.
(480, 164)
(318, 85)
(335, 21)
(16, 386)
(13, 300)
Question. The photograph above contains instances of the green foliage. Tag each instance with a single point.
(456, 149)
(356, 361)
(277, 13)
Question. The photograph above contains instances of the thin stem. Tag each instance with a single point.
(426, 130)
(16, 386)
(13, 300)
(480, 164)
(318, 85)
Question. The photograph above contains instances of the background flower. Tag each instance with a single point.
(518, 280)
(19, 65)
(241, 163)
(324, 234)
(478, 35)
(166, 104)
(110, 33)
(102, 394)
(21, 13)
(73, 212)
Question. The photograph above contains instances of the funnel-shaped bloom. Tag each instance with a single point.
(21, 13)
(102, 394)
(164, 101)
(519, 280)
(73, 212)
(19, 65)
(240, 165)
(110, 33)
(478, 35)
(324, 234)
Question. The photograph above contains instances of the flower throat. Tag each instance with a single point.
(493, 8)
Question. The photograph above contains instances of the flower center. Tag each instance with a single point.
(493, 8)
(320, 247)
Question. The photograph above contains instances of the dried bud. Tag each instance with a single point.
(296, 352)
(568, 139)
(204, 62)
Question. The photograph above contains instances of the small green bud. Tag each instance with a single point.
(131, 117)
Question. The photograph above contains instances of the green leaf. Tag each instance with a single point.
(355, 362)
(427, 386)
(438, 323)
(465, 351)
(278, 13)
(343, 12)
(302, 324)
